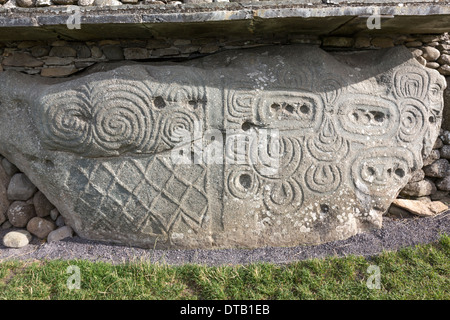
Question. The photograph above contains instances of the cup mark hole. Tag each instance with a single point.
(159, 102)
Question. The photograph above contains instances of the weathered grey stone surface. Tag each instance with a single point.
(103, 146)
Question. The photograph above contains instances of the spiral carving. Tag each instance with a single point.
(240, 105)
(110, 119)
(66, 122)
(178, 126)
(411, 82)
(122, 122)
(412, 120)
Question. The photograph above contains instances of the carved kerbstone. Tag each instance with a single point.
(271, 146)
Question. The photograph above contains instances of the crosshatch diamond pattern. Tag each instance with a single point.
(149, 195)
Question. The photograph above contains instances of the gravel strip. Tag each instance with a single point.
(395, 234)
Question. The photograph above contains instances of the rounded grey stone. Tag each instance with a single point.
(85, 2)
(445, 136)
(432, 65)
(105, 3)
(444, 59)
(416, 52)
(419, 189)
(438, 195)
(6, 225)
(437, 169)
(9, 167)
(60, 234)
(421, 60)
(417, 175)
(438, 144)
(40, 51)
(430, 53)
(83, 51)
(445, 152)
(443, 184)
(444, 70)
(20, 188)
(17, 239)
(40, 227)
(42, 206)
(63, 52)
(25, 3)
(54, 213)
(19, 213)
(113, 52)
(43, 3)
(60, 221)
(432, 157)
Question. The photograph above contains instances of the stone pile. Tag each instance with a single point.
(432, 51)
(427, 193)
(26, 211)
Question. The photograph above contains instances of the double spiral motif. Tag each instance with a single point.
(108, 120)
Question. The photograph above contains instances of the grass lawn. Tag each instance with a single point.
(422, 272)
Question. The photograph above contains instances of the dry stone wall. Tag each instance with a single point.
(62, 58)
(23, 206)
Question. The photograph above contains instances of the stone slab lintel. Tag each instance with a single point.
(225, 19)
